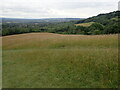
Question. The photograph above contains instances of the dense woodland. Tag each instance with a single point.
(103, 24)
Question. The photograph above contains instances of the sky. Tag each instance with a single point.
(55, 8)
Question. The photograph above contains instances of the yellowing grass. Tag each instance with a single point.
(46, 60)
(85, 24)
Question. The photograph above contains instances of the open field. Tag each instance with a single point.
(46, 60)
(85, 24)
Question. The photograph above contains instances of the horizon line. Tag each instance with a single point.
(57, 17)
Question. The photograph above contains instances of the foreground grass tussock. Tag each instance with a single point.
(46, 60)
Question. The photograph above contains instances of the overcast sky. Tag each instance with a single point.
(56, 8)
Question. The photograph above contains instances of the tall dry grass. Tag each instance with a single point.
(46, 60)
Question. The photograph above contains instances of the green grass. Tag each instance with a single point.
(85, 24)
(60, 61)
(115, 19)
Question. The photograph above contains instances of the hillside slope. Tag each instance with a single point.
(46, 60)
(103, 23)
(104, 19)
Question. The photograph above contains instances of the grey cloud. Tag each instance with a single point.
(75, 5)
(56, 9)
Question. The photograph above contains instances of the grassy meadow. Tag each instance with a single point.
(46, 60)
(85, 24)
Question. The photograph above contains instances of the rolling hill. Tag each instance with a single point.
(105, 19)
(47, 60)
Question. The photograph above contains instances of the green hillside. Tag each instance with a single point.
(108, 23)
(105, 19)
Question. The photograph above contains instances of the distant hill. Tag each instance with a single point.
(17, 20)
(102, 24)
(105, 19)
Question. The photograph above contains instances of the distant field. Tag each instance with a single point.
(85, 24)
(46, 60)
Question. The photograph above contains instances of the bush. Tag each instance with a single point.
(96, 32)
(96, 26)
(112, 29)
